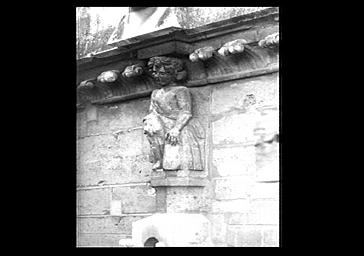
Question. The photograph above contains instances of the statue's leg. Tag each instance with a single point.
(155, 156)
(153, 128)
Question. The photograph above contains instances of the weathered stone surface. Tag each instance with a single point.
(237, 219)
(264, 212)
(93, 201)
(187, 199)
(267, 162)
(112, 160)
(81, 123)
(119, 116)
(103, 146)
(267, 125)
(232, 187)
(135, 199)
(265, 190)
(108, 224)
(234, 161)
(125, 169)
(271, 236)
(236, 205)
(238, 128)
(218, 228)
(244, 236)
(229, 96)
(98, 240)
(200, 100)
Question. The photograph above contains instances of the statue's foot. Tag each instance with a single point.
(157, 165)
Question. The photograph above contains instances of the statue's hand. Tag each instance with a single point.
(172, 136)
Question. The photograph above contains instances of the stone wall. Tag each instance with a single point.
(241, 118)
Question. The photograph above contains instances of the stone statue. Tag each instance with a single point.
(171, 130)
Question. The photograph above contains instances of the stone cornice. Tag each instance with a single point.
(184, 35)
(231, 49)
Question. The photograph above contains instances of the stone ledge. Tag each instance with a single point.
(178, 182)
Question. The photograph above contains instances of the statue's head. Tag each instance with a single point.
(166, 70)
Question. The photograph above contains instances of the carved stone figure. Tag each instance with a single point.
(270, 41)
(232, 47)
(134, 70)
(171, 130)
(203, 53)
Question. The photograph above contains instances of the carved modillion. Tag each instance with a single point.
(232, 47)
(134, 70)
(203, 53)
(270, 41)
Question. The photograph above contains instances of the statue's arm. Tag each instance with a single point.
(184, 102)
(183, 97)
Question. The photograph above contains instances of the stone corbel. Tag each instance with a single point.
(270, 41)
(84, 90)
(108, 76)
(88, 90)
(232, 47)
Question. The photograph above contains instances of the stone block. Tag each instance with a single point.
(135, 199)
(104, 159)
(218, 228)
(115, 208)
(98, 240)
(232, 187)
(187, 199)
(267, 124)
(93, 201)
(271, 236)
(103, 146)
(81, 123)
(265, 190)
(234, 161)
(231, 95)
(237, 219)
(235, 128)
(235, 205)
(200, 100)
(244, 236)
(119, 116)
(118, 170)
(263, 212)
(267, 162)
(92, 113)
(99, 225)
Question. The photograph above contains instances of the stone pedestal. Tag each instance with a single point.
(178, 223)
(179, 191)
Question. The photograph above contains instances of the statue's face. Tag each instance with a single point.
(165, 70)
(163, 74)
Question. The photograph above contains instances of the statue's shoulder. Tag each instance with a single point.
(180, 89)
(154, 92)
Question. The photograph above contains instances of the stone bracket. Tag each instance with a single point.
(178, 182)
